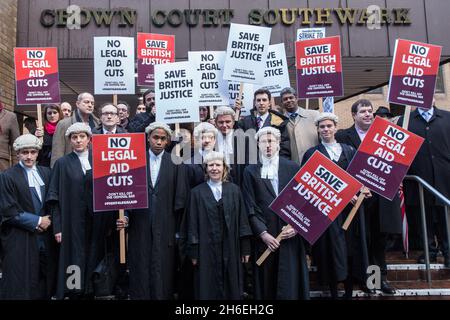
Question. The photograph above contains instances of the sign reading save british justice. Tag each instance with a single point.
(384, 156)
(120, 171)
(315, 197)
(37, 77)
(413, 74)
(153, 49)
(319, 68)
(246, 53)
(114, 65)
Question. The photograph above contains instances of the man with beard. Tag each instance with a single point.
(142, 120)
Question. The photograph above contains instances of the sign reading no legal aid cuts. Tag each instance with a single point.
(176, 93)
(37, 77)
(413, 74)
(114, 65)
(213, 89)
(153, 49)
(276, 75)
(315, 197)
(120, 171)
(246, 53)
(319, 68)
(384, 156)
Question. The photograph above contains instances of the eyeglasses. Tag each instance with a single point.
(109, 114)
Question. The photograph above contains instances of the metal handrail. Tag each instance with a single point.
(422, 183)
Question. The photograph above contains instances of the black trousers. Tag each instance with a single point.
(376, 240)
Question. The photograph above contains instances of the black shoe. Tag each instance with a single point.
(433, 258)
(367, 290)
(447, 261)
(387, 288)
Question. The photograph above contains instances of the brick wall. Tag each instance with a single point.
(8, 23)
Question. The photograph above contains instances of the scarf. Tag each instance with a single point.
(50, 128)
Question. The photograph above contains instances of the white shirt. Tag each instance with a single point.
(225, 145)
(263, 118)
(216, 188)
(361, 133)
(113, 131)
(334, 149)
(426, 113)
(269, 170)
(155, 165)
(84, 160)
(34, 179)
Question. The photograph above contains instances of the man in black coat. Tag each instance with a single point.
(432, 164)
(28, 246)
(142, 120)
(264, 116)
(383, 217)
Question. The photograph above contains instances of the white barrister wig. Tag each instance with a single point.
(27, 141)
(327, 116)
(274, 131)
(204, 127)
(224, 111)
(214, 155)
(158, 125)
(78, 127)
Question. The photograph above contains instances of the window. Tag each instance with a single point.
(440, 88)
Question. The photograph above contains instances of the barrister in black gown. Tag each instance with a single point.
(25, 232)
(75, 226)
(218, 234)
(332, 251)
(284, 274)
(152, 231)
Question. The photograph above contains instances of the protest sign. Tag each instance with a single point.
(37, 77)
(213, 89)
(384, 156)
(246, 53)
(319, 68)
(276, 75)
(247, 96)
(176, 93)
(310, 33)
(119, 165)
(114, 65)
(315, 197)
(413, 74)
(153, 49)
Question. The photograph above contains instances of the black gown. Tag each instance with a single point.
(82, 245)
(28, 256)
(340, 254)
(284, 274)
(152, 240)
(218, 234)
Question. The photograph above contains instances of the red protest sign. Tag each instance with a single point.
(119, 171)
(384, 156)
(319, 68)
(153, 49)
(414, 72)
(37, 77)
(315, 196)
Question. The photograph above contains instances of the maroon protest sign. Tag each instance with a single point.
(414, 72)
(319, 68)
(384, 156)
(315, 196)
(119, 171)
(37, 77)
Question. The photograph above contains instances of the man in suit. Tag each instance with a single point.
(109, 119)
(432, 164)
(9, 131)
(264, 116)
(383, 217)
(143, 119)
(84, 113)
(300, 128)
